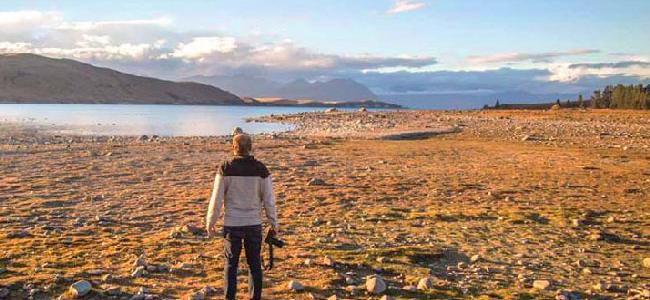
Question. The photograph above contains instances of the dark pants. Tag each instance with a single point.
(251, 236)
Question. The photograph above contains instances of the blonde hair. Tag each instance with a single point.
(242, 144)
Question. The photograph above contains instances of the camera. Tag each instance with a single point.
(272, 240)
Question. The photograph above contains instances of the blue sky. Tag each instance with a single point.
(557, 42)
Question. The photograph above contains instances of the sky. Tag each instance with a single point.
(392, 46)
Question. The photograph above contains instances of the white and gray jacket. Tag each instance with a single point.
(243, 186)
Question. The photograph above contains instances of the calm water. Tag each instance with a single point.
(163, 120)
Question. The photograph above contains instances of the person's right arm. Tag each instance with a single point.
(216, 202)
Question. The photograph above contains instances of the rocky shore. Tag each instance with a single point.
(478, 204)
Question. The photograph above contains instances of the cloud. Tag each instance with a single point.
(574, 72)
(27, 17)
(200, 47)
(151, 47)
(401, 6)
(495, 81)
(519, 57)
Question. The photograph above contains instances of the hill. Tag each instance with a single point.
(30, 78)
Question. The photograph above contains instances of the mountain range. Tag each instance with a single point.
(336, 90)
(30, 78)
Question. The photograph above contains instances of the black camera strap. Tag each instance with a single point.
(269, 266)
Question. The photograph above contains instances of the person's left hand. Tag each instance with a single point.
(211, 232)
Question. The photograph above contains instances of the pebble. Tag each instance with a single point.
(646, 262)
(375, 284)
(308, 262)
(138, 272)
(19, 234)
(425, 284)
(316, 182)
(295, 286)
(80, 288)
(474, 258)
(541, 284)
(196, 296)
(410, 288)
(328, 261)
(386, 297)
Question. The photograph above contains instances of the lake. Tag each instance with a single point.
(162, 120)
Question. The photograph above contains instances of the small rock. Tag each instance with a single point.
(425, 284)
(138, 272)
(308, 262)
(375, 284)
(646, 262)
(474, 258)
(541, 284)
(328, 261)
(19, 234)
(578, 222)
(113, 291)
(334, 297)
(315, 182)
(386, 297)
(410, 288)
(196, 296)
(80, 288)
(208, 290)
(107, 278)
(4, 292)
(139, 262)
(192, 229)
(295, 286)
(382, 259)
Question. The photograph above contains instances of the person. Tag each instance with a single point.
(244, 188)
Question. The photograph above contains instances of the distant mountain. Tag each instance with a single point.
(249, 86)
(30, 78)
(333, 90)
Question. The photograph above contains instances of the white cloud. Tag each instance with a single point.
(8, 47)
(9, 18)
(151, 47)
(519, 57)
(87, 26)
(573, 72)
(201, 47)
(401, 6)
